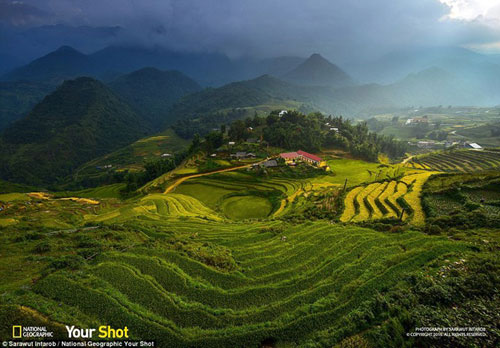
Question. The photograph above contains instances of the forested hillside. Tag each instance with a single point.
(293, 130)
(18, 98)
(81, 120)
(152, 92)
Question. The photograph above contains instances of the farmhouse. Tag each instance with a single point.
(241, 154)
(417, 120)
(307, 157)
(289, 156)
(292, 157)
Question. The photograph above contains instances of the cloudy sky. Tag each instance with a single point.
(344, 29)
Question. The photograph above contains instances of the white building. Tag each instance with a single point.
(474, 146)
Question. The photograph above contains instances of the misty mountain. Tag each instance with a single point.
(207, 68)
(152, 92)
(26, 44)
(250, 68)
(205, 110)
(262, 90)
(79, 121)
(317, 71)
(55, 67)
(8, 62)
(280, 65)
(110, 62)
(397, 65)
(433, 86)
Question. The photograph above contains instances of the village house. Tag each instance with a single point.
(310, 158)
(289, 157)
(270, 163)
(292, 157)
(241, 154)
(417, 120)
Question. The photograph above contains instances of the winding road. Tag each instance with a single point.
(181, 180)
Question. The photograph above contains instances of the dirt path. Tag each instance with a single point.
(181, 180)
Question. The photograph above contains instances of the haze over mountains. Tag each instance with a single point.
(445, 76)
(129, 92)
(317, 71)
(476, 76)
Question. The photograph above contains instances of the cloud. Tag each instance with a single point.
(342, 30)
(18, 13)
(487, 10)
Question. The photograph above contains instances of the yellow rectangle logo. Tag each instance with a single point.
(17, 331)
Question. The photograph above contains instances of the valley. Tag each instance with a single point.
(223, 257)
(194, 174)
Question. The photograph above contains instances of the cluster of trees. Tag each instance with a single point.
(438, 135)
(294, 130)
(495, 130)
(152, 170)
(205, 123)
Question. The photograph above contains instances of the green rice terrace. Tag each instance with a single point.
(356, 256)
(457, 161)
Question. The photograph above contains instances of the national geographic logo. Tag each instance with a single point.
(19, 331)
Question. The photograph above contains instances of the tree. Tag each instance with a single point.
(213, 140)
(238, 131)
(195, 144)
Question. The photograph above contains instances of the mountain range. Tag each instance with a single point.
(85, 118)
(110, 62)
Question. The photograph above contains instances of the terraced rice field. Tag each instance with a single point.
(280, 289)
(229, 195)
(238, 195)
(157, 207)
(247, 207)
(465, 161)
(387, 200)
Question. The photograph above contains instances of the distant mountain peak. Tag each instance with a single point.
(317, 56)
(66, 48)
(318, 71)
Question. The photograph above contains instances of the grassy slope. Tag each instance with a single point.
(133, 156)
